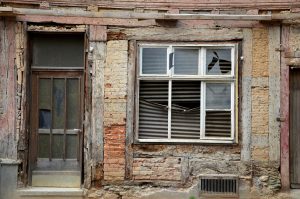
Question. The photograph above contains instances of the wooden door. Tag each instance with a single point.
(57, 65)
(295, 128)
(56, 124)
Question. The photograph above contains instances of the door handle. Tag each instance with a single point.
(78, 130)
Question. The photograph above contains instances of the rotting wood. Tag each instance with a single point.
(87, 112)
(165, 16)
(136, 15)
(175, 34)
(97, 56)
(166, 4)
(130, 109)
(57, 28)
(22, 99)
(85, 20)
(98, 33)
(8, 137)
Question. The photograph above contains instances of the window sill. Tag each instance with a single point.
(181, 141)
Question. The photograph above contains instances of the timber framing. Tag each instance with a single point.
(285, 17)
(165, 4)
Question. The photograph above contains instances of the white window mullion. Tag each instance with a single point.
(232, 61)
(169, 109)
(202, 110)
(232, 110)
(202, 61)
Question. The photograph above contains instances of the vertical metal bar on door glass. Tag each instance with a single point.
(51, 126)
(38, 114)
(79, 133)
(65, 122)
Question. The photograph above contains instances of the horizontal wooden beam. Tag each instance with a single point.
(7, 11)
(144, 16)
(167, 4)
(135, 15)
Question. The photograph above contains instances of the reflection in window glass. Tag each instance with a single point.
(218, 96)
(186, 61)
(58, 103)
(154, 61)
(44, 119)
(218, 61)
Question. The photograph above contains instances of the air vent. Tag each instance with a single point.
(219, 185)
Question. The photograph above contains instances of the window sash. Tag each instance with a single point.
(201, 61)
(201, 77)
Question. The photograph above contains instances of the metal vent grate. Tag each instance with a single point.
(221, 185)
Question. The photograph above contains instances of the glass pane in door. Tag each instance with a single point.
(59, 117)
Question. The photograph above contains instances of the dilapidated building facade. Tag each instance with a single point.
(149, 99)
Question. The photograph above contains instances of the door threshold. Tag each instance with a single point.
(62, 179)
(50, 191)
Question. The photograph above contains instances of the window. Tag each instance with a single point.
(186, 93)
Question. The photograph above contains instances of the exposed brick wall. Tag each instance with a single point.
(159, 168)
(260, 93)
(115, 87)
(114, 153)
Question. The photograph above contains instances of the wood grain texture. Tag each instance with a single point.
(274, 93)
(8, 137)
(167, 4)
(175, 34)
(284, 112)
(130, 109)
(97, 127)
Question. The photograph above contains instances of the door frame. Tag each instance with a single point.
(30, 71)
(293, 70)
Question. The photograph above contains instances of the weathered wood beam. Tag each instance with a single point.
(218, 17)
(7, 11)
(135, 15)
(167, 4)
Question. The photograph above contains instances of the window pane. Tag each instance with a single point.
(58, 103)
(218, 95)
(72, 141)
(44, 146)
(186, 61)
(185, 110)
(154, 60)
(218, 124)
(44, 103)
(53, 50)
(73, 106)
(153, 109)
(57, 145)
(218, 61)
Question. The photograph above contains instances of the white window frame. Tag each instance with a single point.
(231, 79)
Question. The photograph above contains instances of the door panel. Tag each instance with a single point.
(295, 128)
(57, 124)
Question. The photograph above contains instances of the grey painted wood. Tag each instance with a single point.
(246, 96)
(274, 93)
(97, 127)
(130, 109)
